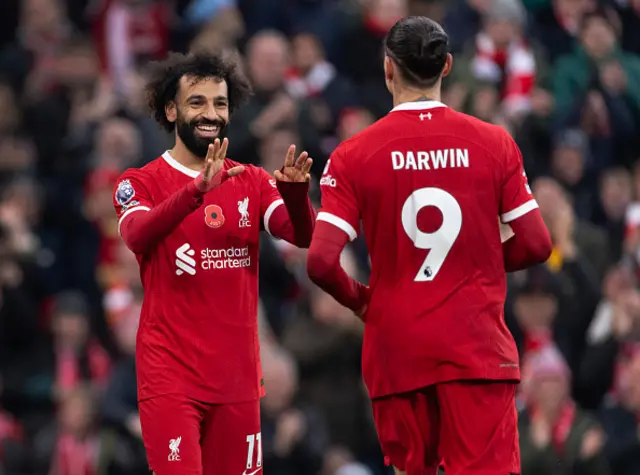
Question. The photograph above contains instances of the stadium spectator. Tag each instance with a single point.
(561, 75)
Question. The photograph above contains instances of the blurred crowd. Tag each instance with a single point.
(563, 76)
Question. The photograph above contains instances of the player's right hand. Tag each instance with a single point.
(212, 173)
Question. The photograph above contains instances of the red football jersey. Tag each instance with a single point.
(429, 184)
(198, 331)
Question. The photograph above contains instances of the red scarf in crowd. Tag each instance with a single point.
(74, 456)
(378, 27)
(312, 83)
(125, 34)
(513, 67)
(561, 426)
(68, 373)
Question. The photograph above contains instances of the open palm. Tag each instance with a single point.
(295, 170)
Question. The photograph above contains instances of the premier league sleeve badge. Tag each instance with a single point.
(124, 193)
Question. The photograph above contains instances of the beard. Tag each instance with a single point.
(188, 134)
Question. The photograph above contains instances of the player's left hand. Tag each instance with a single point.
(295, 170)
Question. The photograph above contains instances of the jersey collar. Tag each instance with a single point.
(418, 106)
(179, 166)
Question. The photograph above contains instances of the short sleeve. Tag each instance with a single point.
(270, 198)
(339, 203)
(516, 199)
(130, 195)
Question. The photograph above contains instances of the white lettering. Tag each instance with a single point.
(462, 157)
(439, 158)
(411, 161)
(423, 161)
(328, 180)
(430, 160)
(231, 258)
(398, 160)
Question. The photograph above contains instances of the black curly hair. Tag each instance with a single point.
(164, 80)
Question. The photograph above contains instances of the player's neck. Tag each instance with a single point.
(413, 95)
(183, 155)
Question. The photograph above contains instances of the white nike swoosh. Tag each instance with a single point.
(252, 473)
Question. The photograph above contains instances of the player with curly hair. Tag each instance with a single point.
(193, 218)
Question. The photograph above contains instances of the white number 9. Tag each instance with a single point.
(439, 242)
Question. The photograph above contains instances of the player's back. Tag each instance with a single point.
(430, 186)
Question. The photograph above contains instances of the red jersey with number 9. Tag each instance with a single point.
(428, 184)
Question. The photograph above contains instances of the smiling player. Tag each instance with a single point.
(428, 183)
(193, 218)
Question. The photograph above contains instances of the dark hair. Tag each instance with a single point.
(164, 80)
(419, 46)
(607, 15)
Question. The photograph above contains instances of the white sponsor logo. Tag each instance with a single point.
(185, 261)
(230, 258)
(251, 473)
(327, 180)
(174, 447)
(243, 209)
(211, 259)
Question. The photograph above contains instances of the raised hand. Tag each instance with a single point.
(295, 171)
(212, 173)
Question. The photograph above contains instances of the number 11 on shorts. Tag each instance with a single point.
(254, 442)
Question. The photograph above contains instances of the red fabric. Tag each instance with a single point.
(530, 245)
(68, 366)
(324, 269)
(147, 30)
(297, 210)
(74, 456)
(100, 178)
(514, 67)
(433, 424)
(142, 231)
(193, 428)
(198, 333)
(438, 281)
(375, 26)
(561, 426)
(536, 341)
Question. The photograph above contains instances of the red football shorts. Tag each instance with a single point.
(469, 427)
(187, 437)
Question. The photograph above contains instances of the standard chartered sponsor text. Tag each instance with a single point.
(230, 258)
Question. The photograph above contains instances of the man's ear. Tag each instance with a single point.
(171, 111)
(389, 70)
(447, 65)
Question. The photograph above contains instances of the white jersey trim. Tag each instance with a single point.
(339, 223)
(418, 106)
(129, 211)
(179, 166)
(519, 211)
(267, 214)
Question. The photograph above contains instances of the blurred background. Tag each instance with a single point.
(563, 76)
